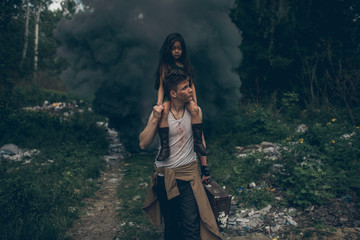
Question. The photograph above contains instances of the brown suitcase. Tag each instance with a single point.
(219, 198)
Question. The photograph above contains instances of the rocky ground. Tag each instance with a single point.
(340, 219)
(337, 220)
(99, 219)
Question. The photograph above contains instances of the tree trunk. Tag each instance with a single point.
(36, 40)
(26, 35)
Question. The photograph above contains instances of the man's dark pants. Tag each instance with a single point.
(181, 214)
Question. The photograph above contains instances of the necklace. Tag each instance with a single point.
(178, 112)
(180, 65)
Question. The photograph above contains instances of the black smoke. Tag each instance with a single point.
(113, 53)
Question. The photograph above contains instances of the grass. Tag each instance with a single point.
(319, 164)
(132, 191)
(312, 163)
(40, 199)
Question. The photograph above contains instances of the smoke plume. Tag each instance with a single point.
(113, 51)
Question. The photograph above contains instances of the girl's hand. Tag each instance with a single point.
(157, 111)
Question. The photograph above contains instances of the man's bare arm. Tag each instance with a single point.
(147, 135)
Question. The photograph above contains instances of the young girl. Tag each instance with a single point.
(173, 56)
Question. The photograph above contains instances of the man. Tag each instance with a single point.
(176, 193)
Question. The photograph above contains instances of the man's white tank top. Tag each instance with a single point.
(181, 142)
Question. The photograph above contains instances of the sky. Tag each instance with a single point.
(55, 5)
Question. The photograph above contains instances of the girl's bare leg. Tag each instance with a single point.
(193, 108)
(164, 116)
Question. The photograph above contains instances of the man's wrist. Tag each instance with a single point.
(155, 121)
(205, 171)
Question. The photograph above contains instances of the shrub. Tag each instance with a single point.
(32, 95)
(250, 124)
(319, 164)
(39, 200)
(323, 163)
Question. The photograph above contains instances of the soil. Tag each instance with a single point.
(339, 219)
(99, 218)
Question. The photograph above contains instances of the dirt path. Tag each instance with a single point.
(99, 218)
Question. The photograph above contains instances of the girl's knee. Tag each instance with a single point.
(166, 106)
(193, 108)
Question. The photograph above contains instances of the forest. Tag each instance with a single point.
(281, 72)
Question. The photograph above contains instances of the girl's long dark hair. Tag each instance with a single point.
(166, 59)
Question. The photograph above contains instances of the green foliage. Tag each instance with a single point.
(31, 96)
(321, 164)
(48, 131)
(250, 124)
(39, 200)
(307, 181)
(318, 164)
(258, 197)
(15, 69)
(289, 46)
(132, 191)
(235, 172)
(290, 104)
(11, 25)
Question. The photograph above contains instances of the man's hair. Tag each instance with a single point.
(173, 78)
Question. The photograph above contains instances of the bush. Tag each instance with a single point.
(132, 191)
(39, 200)
(43, 130)
(32, 95)
(250, 124)
(322, 163)
(319, 164)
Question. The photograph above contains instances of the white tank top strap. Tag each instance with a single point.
(181, 142)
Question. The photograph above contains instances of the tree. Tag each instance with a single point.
(10, 26)
(26, 35)
(21, 21)
(36, 37)
(300, 46)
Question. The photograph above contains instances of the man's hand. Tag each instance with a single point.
(147, 135)
(157, 111)
(205, 174)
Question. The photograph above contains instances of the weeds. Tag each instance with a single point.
(40, 199)
(132, 191)
(319, 163)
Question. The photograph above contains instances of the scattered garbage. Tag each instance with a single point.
(302, 128)
(11, 152)
(240, 191)
(291, 221)
(116, 151)
(347, 136)
(270, 150)
(222, 219)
